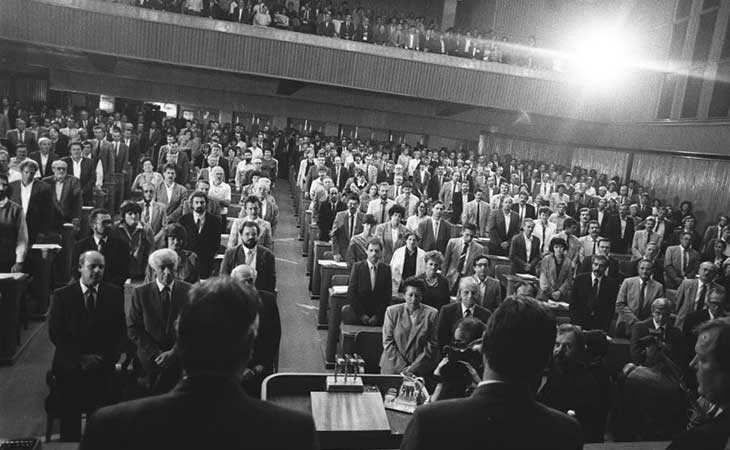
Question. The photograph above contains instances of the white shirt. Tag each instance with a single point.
(25, 192)
(76, 168)
(528, 246)
(199, 220)
(161, 286)
(263, 208)
(464, 309)
(169, 190)
(699, 289)
(394, 234)
(373, 274)
(250, 256)
(220, 192)
(507, 219)
(436, 225)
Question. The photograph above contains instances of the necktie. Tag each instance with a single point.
(436, 231)
(165, 301)
(542, 243)
(522, 214)
(684, 263)
(701, 300)
(462, 258)
(146, 216)
(101, 246)
(352, 226)
(249, 256)
(642, 288)
(116, 148)
(408, 202)
(382, 211)
(199, 224)
(648, 236)
(595, 288)
(467, 313)
(478, 228)
(90, 302)
(372, 278)
(22, 136)
(594, 247)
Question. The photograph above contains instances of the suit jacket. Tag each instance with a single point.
(29, 139)
(449, 315)
(552, 280)
(39, 206)
(266, 347)
(182, 167)
(69, 207)
(529, 211)
(340, 180)
(518, 254)
(498, 232)
(88, 177)
(586, 266)
(340, 231)
(491, 296)
(426, 236)
(203, 243)
(638, 245)
(60, 147)
(588, 310)
(133, 149)
(673, 264)
(684, 303)
(409, 342)
(326, 29)
(104, 151)
(174, 205)
(116, 256)
(326, 217)
(446, 194)
(470, 215)
(121, 156)
(75, 334)
(620, 244)
(265, 265)
(385, 232)
(434, 187)
(158, 216)
(182, 419)
(452, 256)
(672, 338)
(375, 207)
(365, 298)
(689, 336)
(712, 434)
(492, 418)
(47, 170)
(147, 328)
(396, 265)
(711, 233)
(628, 305)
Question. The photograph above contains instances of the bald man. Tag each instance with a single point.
(266, 348)
(86, 325)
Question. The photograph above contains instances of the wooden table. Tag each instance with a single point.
(292, 390)
(319, 248)
(12, 287)
(327, 269)
(40, 289)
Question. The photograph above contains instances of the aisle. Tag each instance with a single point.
(301, 343)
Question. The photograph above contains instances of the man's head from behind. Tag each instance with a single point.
(518, 341)
(712, 361)
(217, 327)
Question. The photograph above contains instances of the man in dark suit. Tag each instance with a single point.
(369, 288)
(620, 230)
(603, 248)
(516, 349)
(266, 348)
(435, 232)
(120, 153)
(66, 194)
(339, 174)
(504, 224)
(204, 232)
(38, 204)
(594, 296)
(421, 181)
(44, 157)
(20, 135)
(523, 209)
(347, 28)
(101, 149)
(436, 182)
(347, 223)
(86, 325)
(215, 337)
(657, 328)
(151, 321)
(133, 149)
(326, 27)
(249, 252)
(115, 250)
(326, 212)
(468, 306)
(83, 169)
(716, 307)
(525, 260)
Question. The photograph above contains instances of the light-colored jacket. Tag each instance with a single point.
(409, 343)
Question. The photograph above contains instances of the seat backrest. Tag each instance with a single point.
(369, 346)
(500, 271)
(327, 255)
(340, 280)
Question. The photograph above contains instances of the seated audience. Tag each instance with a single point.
(407, 261)
(86, 326)
(369, 288)
(465, 306)
(593, 301)
(635, 297)
(657, 328)
(409, 333)
(215, 338)
(516, 349)
(251, 253)
(151, 321)
(115, 250)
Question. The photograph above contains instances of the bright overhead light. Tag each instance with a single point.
(599, 56)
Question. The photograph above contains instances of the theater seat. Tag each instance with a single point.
(340, 280)
(369, 345)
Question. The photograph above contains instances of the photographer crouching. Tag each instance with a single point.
(462, 363)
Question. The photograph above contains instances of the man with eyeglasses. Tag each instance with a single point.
(264, 360)
(154, 213)
(66, 194)
(466, 306)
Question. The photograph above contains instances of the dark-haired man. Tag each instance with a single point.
(347, 224)
(369, 288)
(115, 250)
(594, 296)
(251, 253)
(204, 232)
(516, 349)
(215, 336)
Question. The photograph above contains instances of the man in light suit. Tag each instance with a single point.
(151, 321)
(120, 153)
(635, 298)
(396, 189)
(66, 195)
(714, 231)
(21, 135)
(83, 169)
(435, 232)
(460, 255)
(594, 294)
(524, 250)
(392, 233)
(407, 261)
(369, 288)
(251, 212)
(409, 334)
(489, 291)
(44, 157)
(347, 224)
(101, 149)
(693, 293)
(680, 262)
(642, 237)
(204, 233)
(408, 200)
(589, 242)
(477, 212)
(154, 214)
(252, 254)
(379, 208)
(171, 194)
(504, 224)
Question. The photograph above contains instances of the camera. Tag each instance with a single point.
(456, 354)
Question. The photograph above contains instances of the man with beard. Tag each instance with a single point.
(569, 386)
(13, 231)
(115, 250)
(248, 252)
(204, 232)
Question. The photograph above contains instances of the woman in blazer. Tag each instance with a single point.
(409, 334)
(556, 276)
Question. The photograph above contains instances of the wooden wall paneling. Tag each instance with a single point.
(609, 162)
